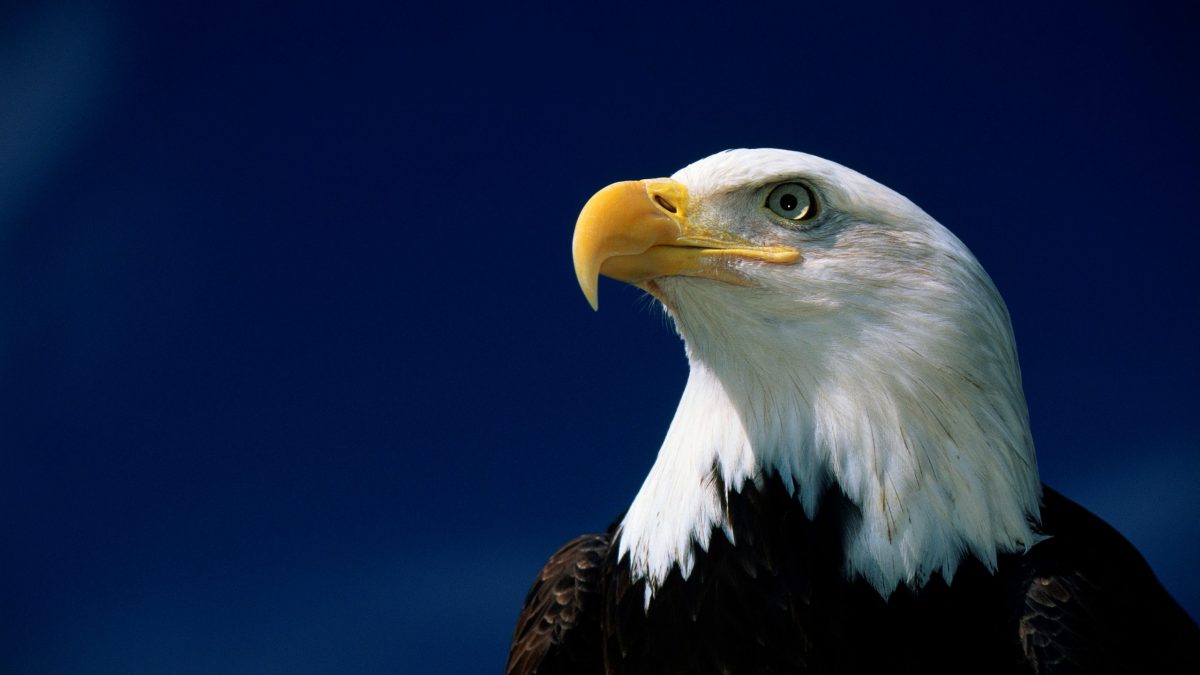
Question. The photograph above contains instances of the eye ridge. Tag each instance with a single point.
(792, 201)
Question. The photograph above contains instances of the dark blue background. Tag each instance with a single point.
(295, 374)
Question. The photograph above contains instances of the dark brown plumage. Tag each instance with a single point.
(559, 629)
(1081, 601)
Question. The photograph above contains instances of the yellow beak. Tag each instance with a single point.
(637, 231)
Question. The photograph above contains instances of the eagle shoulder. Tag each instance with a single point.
(558, 630)
(1091, 604)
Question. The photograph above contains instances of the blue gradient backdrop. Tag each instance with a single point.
(295, 376)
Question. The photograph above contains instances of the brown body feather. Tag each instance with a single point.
(776, 601)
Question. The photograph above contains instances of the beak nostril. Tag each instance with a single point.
(666, 205)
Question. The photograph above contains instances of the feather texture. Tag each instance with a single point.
(849, 482)
(884, 363)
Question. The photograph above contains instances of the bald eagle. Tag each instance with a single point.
(849, 483)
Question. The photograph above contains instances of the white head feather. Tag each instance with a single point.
(884, 362)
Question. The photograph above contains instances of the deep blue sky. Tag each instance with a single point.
(295, 374)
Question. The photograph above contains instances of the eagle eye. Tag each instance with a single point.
(792, 201)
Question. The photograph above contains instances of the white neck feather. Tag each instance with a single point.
(923, 427)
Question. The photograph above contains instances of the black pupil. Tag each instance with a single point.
(788, 202)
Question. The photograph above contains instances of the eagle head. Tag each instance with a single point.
(837, 335)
